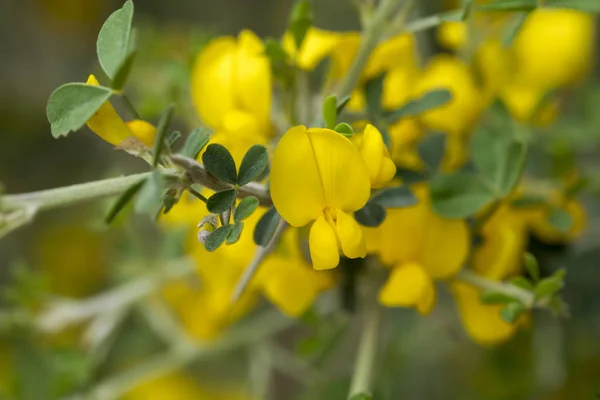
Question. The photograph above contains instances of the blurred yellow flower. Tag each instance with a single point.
(376, 156)
(319, 175)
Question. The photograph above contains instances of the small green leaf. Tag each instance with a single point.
(428, 101)
(511, 313)
(217, 237)
(150, 198)
(173, 138)
(528, 201)
(370, 215)
(330, 111)
(253, 164)
(531, 266)
(373, 95)
(123, 72)
(301, 21)
(114, 39)
(508, 5)
(467, 6)
(235, 233)
(491, 297)
(71, 105)
(409, 176)
(122, 201)
(514, 28)
(219, 163)
(194, 143)
(265, 227)
(170, 198)
(275, 51)
(344, 129)
(560, 220)
(341, 104)
(221, 201)
(245, 208)
(522, 282)
(458, 195)
(395, 197)
(431, 150)
(548, 287)
(161, 132)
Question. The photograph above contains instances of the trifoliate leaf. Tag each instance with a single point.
(301, 20)
(560, 220)
(428, 101)
(431, 150)
(114, 39)
(219, 163)
(458, 195)
(235, 233)
(371, 215)
(330, 111)
(491, 297)
(72, 105)
(245, 208)
(265, 227)
(161, 133)
(221, 201)
(217, 237)
(253, 164)
(395, 197)
(194, 143)
(512, 312)
(344, 129)
(122, 201)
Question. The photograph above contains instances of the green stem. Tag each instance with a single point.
(480, 282)
(367, 353)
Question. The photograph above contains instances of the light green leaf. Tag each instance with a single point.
(508, 5)
(531, 266)
(431, 150)
(150, 198)
(194, 143)
(458, 195)
(173, 138)
(161, 133)
(253, 164)
(395, 197)
(341, 104)
(72, 105)
(513, 29)
(547, 287)
(491, 297)
(371, 215)
(560, 220)
(245, 208)
(528, 201)
(217, 237)
(123, 72)
(235, 233)
(122, 201)
(591, 6)
(344, 129)
(219, 163)
(512, 312)
(301, 21)
(275, 51)
(428, 101)
(221, 201)
(330, 111)
(522, 282)
(114, 38)
(265, 227)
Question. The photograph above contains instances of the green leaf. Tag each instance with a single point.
(512, 312)
(253, 164)
(467, 6)
(301, 21)
(330, 111)
(71, 105)
(221, 201)
(458, 195)
(219, 163)
(373, 95)
(341, 104)
(275, 51)
(431, 149)
(150, 198)
(372, 215)
(548, 287)
(560, 219)
(114, 38)
(235, 233)
(194, 143)
(508, 5)
(265, 227)
(362, 396)
(395, 197)
(161, 133)
(591, 6)
(531, 266)
(527, 201)
(122, 201)
(491, 297)
(430, 100)
(170, 198)
(522, 282)
(217, 237)
(245, 208)
(123, 72)
(344, 129)
(514, 28)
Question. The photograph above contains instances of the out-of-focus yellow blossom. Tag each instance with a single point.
(107, 124)
(231, 79)
(179, 386)
(319, 175)
(452, 35)
(420, 246)
(376, 156)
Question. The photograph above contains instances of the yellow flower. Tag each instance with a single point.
(107, 124)
(409, 285)
(318, 175)
(452, 35)
(317, 45)
(376, 156)
(233, 76)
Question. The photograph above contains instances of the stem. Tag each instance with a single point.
(480, 282)
(367, 353)
(431, 22)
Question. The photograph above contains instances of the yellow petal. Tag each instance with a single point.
(452, 35)
(344, 177)
(317, 45)
(296, 187)
(482, 322)
(143, 130)
(408, 286)
(387, 172)
(350, 236)
(398, 51)
(323, 245)
(106, 123)
(372, 151)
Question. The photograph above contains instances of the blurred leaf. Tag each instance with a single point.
(431, 149)
(362, 396)
(150, 198)
(548, 287)
(253, 164)
(217, 237)
(170, 198)
(173, 138)
(275, 51)
(373, 95)
(123, 72)
(301, 21)
(265, 227)
(512, 311)
(531, 266)
(33, 371)
(194, 143)
(344, 129)
(122, 201)
(458, 195)
(560, 220)
(514, 27)
(221, 201)
(370, 215)
(161, 133)
(527, 201)
(491, 297)
(71, 105)
(330, 111)
(245, 209)
(395, 197)
(235, 233)
(114, 39)
(219, 163)
(341, 104)
(428, 101)
(409, 176)
(508, 5)
(591, 6)
(522, 282)
(467, 5)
